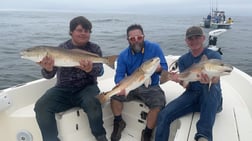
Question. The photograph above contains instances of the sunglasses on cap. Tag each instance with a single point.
(136, 38)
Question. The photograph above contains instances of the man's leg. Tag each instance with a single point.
(150, 125)
(53, 101)
(210, 102)
(154, 98)
(184, 104)
(92, 107)
(119, 123)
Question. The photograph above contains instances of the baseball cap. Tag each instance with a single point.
(193, 30)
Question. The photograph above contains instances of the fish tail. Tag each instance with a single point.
(111, 61)
(165, 76)
(102, 97)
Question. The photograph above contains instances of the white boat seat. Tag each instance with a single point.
(231, 123)
(74, 123)
(243, 119)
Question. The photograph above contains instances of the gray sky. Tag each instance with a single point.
(172, 7)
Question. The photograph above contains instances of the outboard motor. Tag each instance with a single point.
(212, 40)
(212, 43)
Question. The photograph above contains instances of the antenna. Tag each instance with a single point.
(216, 5)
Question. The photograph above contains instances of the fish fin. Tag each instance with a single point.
(164, 76)
(209, 85)
(48, 55)
(102, 97)
(203, 58)
(184, 74)
(111, 61)
(141, 77)
(147, 82)
(84, 52)
(185, 83)
(117, 85)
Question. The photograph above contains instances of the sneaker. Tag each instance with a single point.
(118, 128)
(101, 138)
(145, 136)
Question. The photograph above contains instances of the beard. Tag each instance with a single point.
(137, 47)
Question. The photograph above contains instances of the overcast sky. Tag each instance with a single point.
(185, 7)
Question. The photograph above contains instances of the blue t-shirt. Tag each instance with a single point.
(186, 60)
(129, 61)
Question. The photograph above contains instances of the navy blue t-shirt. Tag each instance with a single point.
(186, 60)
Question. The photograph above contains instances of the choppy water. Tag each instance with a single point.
(21, 30)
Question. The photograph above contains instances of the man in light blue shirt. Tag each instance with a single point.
(138, 51)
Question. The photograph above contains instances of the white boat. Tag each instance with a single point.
(234, 123)
(216, 19)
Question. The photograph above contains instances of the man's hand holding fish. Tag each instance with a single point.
(204, 79)
(86, 65)
(47, 63)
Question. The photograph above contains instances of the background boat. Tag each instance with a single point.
(216, 19)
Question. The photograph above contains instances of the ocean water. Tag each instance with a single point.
(24, 29)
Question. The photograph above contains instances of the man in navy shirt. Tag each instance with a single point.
(75, 87)
(138, 51)
(197, 96)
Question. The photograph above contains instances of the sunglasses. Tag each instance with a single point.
(136, 38)
(194, 37)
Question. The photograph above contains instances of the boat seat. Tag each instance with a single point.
(244, 123)
(74, 123)
(220, 130)
(230, 124)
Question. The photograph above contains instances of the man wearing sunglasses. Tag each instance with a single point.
(138, 51)
(197, 96)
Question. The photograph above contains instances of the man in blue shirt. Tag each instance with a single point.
(197, 96)
(128, 61)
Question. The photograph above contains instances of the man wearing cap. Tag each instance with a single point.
(197, 97)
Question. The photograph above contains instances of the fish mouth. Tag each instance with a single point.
(157, 60)
(22, 53)
(229, 69)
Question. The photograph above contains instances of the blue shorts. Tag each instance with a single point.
(153, 96)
